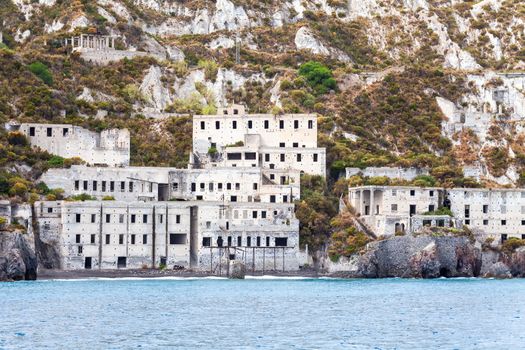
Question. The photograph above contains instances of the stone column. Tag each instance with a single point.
(113, 43)
(361, 194)
(372, 203)
(81, 40)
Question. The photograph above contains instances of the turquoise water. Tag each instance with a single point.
(263, 314)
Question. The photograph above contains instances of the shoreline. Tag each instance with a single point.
(44, 274)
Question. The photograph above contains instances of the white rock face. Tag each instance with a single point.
(221, 42)
(275, 98)
(79, 22)
(119, 9)
(101, 11)
(305, 40)
(364, 8)
(174, 53)
(153, 90)
(20, 36)
(91, 96)
(54, 27)
(415, 4)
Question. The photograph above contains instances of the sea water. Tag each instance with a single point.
(263, 313)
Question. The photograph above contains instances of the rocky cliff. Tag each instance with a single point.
(430, 257)
(18, 260)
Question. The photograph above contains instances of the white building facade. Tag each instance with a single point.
(109, 147)
(287, 141)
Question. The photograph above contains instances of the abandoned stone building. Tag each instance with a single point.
(234, 138)
(161, 184)
(390, 209)
(497, 213)
(198, 235)
(109, 147)
(237, 203)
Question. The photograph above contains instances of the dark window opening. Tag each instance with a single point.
(80, 250)
(234, 156)
(144, 239)
(229, 241)
(248, 241)
(107, 239)
(87, 262)
(133, 239)
(177, 238)
(234, 124)
(267, 241)
(281, 241)
(77, 218)
(121, 262)
(120, 239)
(77, 238)
(203, 125)
(49, 132)
(32, 131)
(266, 124)
(239, 241)
(258, 241)
(250, 155)
(92, 239)
(206, 241)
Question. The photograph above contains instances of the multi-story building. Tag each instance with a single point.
(234, 138)
(109, 147)
(161, 184)
(499, 213)
(389, 209)
(198, 235)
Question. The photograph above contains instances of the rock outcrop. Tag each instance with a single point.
(17, 258)
(420, 257)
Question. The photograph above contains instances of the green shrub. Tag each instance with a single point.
(56, 162)
(440, 211)
(318, 76)
(108, 198)
(82, 197)
(17, 138)
(40, 70)
(511, 244)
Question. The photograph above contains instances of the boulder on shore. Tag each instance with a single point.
(237, 270)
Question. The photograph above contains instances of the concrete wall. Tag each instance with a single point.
(109, 147)
(390, 172)
(104, 57)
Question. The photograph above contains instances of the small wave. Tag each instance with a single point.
(272, 277)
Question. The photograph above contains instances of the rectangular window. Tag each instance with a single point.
(282, 157)
(467, 211)
(281, 241)
(133, 218)
(177, 238)
(103, 186)
(431, 193)
(32, 131)
(281, 124)
(108, 218)
(285, 199)
(144, 239)
(254, 214)
(485, 222)
(108, 239)
(133, 239)
(144, 218)
(122, 186)
(80, 249)
(228, 186)
(93, 218)
(263, 214)
(266, 124)
(267, 157)
(77, 238)
(219, 185)
(130, 186)
(49, 132)
(295, 144)
(239, 241)
(258, 241)
(121, 218)
(255, 185)
(202, 185)
(272, 198)
(217, 125)
(92, 239)
(85, 185)
(310, 124)
(77, 218)
(248, 241)
(485, 209)
(299, 158)
(267, 241)
(503, 222)
(77, 185)
(203, 125)
(237, 186)
(250, 124)
(206, 241)
(282, 144)
(161, 218)
(412, 193)
(233, 199)
(315, 157)
(193, 187)
(296, 124)
(393, 207)
(112, 186)
(120, 239)
(234, 124)
(250, 155)
(94, 186)
(177, 219)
